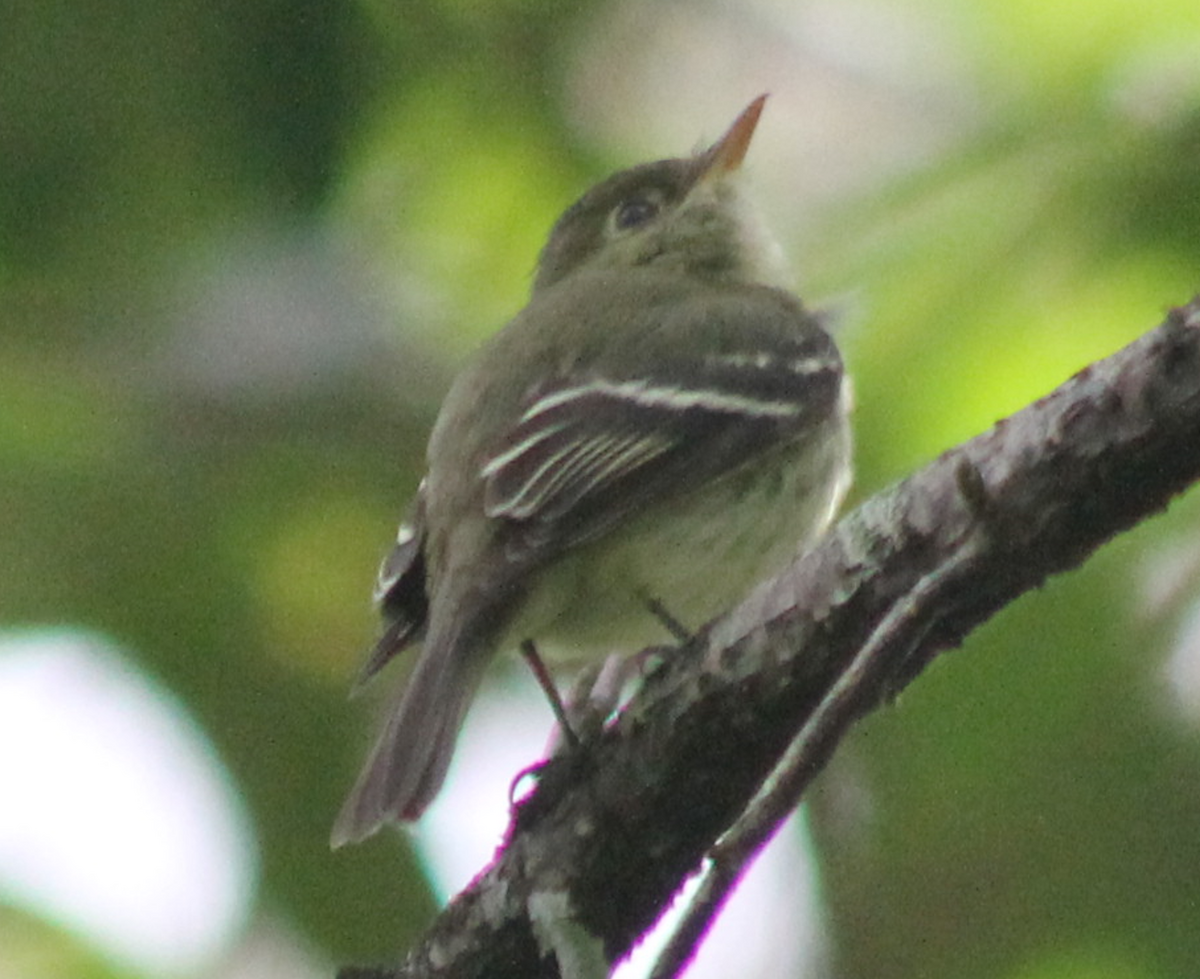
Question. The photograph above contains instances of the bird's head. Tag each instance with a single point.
(683, 215)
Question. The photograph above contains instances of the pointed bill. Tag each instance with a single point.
(727, 153)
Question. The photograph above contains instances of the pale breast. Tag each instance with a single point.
(697, 559)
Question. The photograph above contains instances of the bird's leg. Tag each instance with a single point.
(650, 657)
(546, 682)
(593, 697)
(597, 690)
(679, 632)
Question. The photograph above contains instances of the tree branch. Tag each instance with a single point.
(613, 831)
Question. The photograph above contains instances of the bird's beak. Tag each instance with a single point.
(726, 154)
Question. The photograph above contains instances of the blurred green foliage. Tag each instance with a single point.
(1034, 803)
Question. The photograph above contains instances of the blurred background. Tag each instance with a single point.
(243, 247)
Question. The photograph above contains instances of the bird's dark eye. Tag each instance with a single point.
(635, 211)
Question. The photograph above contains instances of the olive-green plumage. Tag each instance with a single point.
(662, 422)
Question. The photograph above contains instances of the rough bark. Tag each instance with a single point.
(613, 831)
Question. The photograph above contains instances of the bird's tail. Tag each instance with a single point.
(408, 763)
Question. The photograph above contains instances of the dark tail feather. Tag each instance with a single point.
(397, 637)
(408, 763)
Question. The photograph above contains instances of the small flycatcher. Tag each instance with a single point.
(662, 425)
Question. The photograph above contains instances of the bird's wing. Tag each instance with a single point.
(590, 449)
(400, 591)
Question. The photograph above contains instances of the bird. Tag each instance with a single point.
(662, 425)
